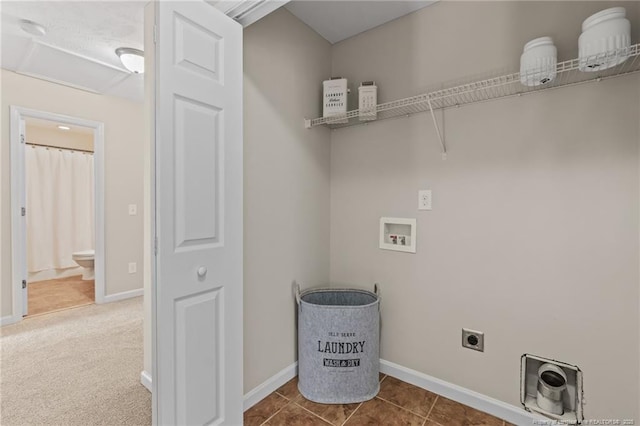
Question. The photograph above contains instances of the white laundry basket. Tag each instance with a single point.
(338, 345)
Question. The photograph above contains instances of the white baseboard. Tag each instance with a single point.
(9, 319)
(258, 393)
(266, 388)
(124, 295)
(145, 379)
(508, 412)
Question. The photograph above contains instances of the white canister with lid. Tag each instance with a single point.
(605, 37)
(538, 62)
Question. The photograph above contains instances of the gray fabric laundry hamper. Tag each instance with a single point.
(338, 345)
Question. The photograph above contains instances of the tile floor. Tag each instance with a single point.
(55, 295)
(398, 403)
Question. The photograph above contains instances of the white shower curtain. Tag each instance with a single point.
(60, 206)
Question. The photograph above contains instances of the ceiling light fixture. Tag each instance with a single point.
(64, 127)
(132, 59)
(32, 28)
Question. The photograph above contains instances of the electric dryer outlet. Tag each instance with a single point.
(473, 339)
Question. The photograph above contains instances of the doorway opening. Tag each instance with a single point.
(60, 226)
(58, 219)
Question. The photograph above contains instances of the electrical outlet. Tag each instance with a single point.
(424, 199)
(473, 339)
(133, 267)
(133, 209)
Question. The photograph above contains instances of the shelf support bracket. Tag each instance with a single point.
(435, 123)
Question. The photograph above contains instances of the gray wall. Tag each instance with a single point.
(534, 234)
(286, 193)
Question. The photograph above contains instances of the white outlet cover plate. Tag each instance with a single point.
(424, 199)
(133, 209)
(133, 268)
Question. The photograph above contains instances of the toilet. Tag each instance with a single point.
(86, 260)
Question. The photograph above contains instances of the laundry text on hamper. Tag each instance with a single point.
(341, 347)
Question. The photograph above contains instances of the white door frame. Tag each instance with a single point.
(18, 191)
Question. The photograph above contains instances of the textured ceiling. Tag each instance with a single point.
(338, 20)
(89, 28)
(78, 48)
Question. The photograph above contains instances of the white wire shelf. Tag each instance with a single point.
(567, 73)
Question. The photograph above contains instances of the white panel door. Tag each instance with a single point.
(198, 133)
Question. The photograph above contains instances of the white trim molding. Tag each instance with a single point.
(18, 189)
(18, 223)
(145, 379)
(123, 295)
(508, 412)
(266, 388)
(9, 319)
(99, 209)
(246, 12)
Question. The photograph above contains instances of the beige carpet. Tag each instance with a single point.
(75, 367)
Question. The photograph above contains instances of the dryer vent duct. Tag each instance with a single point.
(551, 388)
